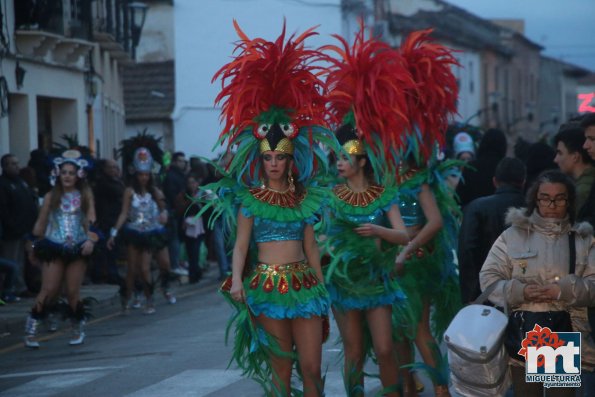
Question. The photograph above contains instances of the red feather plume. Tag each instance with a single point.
(282, 74)
(435, 97)
(370, 79)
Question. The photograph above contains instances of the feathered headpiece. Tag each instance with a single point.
(367, 95)
(135, 159)
(434, 98)
(273, 99)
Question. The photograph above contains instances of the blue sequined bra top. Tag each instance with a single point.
(65, 224)
(144, 213)
(411, 210)
(377, 217)
(266, 230)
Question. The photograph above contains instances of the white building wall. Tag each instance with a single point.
(157, 39)
(42, 81)
(204, 37)
(469, 79)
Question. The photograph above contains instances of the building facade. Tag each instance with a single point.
(61, 64)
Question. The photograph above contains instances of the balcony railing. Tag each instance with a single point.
(104, 21)
(68, 18)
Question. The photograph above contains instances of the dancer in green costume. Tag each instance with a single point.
(274, 110)
(365, 225)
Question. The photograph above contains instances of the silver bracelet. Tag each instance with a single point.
(113, 232)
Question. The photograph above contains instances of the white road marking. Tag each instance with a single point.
(191, 383)
(53, 385)
(57, 371)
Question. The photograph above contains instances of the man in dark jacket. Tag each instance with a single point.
(18, 212)
(174, 184)
(483, 222)
(575, 162)
(109, 192)
(477, 178)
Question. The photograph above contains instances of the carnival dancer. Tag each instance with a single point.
(65, 240)
(141, 224)
(427, 206)
(274, 113)
(365, 223)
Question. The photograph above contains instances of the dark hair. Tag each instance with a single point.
(493, 143)
(81, 185)
(552, 176)
(588, 120)
(574, 139)
(368, 169)
(177, 155)
(511, 171)
(136, 187)
(192, 175)
(4, 159)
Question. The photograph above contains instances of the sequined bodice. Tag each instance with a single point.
(377, 217)
(65, 224)
(411, 210)
(143, 213)
(265, 230)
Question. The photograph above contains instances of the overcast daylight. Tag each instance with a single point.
(338, 198)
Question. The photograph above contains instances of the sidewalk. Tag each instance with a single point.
(12, 315)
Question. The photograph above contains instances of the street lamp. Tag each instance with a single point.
(91, 88)
(138, 14)
(19, 73)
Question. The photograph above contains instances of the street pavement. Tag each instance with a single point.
(179, 351)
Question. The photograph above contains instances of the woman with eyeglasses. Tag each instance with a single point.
(544, 267)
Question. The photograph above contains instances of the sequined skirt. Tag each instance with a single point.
(47, 250)
(151, 240)
(290, 290)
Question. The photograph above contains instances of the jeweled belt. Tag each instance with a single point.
(285, 273)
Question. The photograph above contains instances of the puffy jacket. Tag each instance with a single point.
(536, 250)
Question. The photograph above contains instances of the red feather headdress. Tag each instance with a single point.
(371, 80)
(434, 99)
(270, 76)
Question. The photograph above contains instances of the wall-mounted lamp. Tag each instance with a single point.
(19, 73)
(138, 14)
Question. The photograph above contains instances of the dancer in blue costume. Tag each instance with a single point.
(365, 223)
(274, 108)
(65, 240)
(426, 264)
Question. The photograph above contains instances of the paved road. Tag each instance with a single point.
(178, 351)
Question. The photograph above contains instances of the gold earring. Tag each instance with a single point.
(290, 180)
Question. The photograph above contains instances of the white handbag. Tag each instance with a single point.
(476, 354)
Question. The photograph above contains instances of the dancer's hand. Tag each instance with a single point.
(87, 248)
(237, 291)
(110, 243)
(400, 263)
(367, 230)
(162, 218)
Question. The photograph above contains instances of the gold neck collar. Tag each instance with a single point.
(285, 199)
(358, 199)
